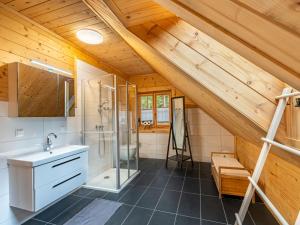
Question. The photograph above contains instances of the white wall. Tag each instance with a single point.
(206, 136)
(35, 131)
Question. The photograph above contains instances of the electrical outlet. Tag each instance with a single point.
(19, 132)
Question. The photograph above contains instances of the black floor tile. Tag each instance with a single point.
(208, 187)
(150, 198)
(96, 194)
(159, 181)
(211, 209)
(34, 222)
(261, 215)
(192, 173)
(189, 205)
(82, 192)
(138, 216)
(191, 185)
(72, 211)
(133, 195)
(175, 183)
(169, 201)
(58, 208)
(119, 215)
(182, 220)
(161, 218)
(231, 207)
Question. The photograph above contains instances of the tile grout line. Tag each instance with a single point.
(224, 211)
(253, 221)
(164, 189)
(138, 200)
(178, 205)
(200, 191)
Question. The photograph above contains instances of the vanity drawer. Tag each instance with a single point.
(50, 192)
(52, 171)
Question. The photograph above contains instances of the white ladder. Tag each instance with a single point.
(268, 142)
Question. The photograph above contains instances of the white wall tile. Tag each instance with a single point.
(3, 109)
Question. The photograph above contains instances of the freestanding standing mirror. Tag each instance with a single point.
(179, 133)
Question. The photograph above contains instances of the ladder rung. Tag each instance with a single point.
(268, 202)
(284, 147)
(288, 95)
(238, 220)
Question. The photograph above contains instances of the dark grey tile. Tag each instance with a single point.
(34, 222)
(161, 218)
(116, 196)
(208, 187)
(205, 170)
(58, 208)
(231, 207)
(96, 194)
(178, 172)
(82, 192)
(211, 209)
(175, 183)
(150, 198)
(169, 201)
(72, 211)
(189, 205)
(182, 220)
(145, 180)
(206, 222)
(191, 185)
(133, 195)
(138, 216)
(119, 215)
(159, 181)
(261, 215)
(192, 173)
(166, 171)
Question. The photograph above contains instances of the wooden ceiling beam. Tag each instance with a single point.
(225, 114)
(264, 43)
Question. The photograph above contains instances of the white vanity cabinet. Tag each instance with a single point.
(37, 180)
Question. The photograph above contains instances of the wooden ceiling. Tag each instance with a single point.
(65, 17)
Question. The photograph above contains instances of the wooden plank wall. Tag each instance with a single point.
(280, 179)
(155, 82)
(22, 40)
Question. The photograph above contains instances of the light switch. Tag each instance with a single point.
(19, 132)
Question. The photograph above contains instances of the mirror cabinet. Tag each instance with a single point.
(34, 92)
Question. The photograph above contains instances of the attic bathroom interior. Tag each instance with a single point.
(149, 112)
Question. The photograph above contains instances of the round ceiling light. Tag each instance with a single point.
(89, 36)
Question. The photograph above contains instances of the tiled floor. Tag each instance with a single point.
(160, 196)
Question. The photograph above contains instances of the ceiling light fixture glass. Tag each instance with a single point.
(89, 36)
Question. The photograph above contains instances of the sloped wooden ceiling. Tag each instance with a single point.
(65, 17)
(264, 32)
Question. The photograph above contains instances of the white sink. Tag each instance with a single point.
(39, 158)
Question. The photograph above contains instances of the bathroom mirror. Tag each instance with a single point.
(178, 121)
(34, 92)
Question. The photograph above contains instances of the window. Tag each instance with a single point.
(154, 109)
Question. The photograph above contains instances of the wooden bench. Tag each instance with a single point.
(230, 176)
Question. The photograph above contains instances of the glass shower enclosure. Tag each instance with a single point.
(110, 129)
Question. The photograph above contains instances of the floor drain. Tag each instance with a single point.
(106, 177)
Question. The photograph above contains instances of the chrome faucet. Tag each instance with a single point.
(49, 144)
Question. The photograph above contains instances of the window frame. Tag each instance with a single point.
(154, 95)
